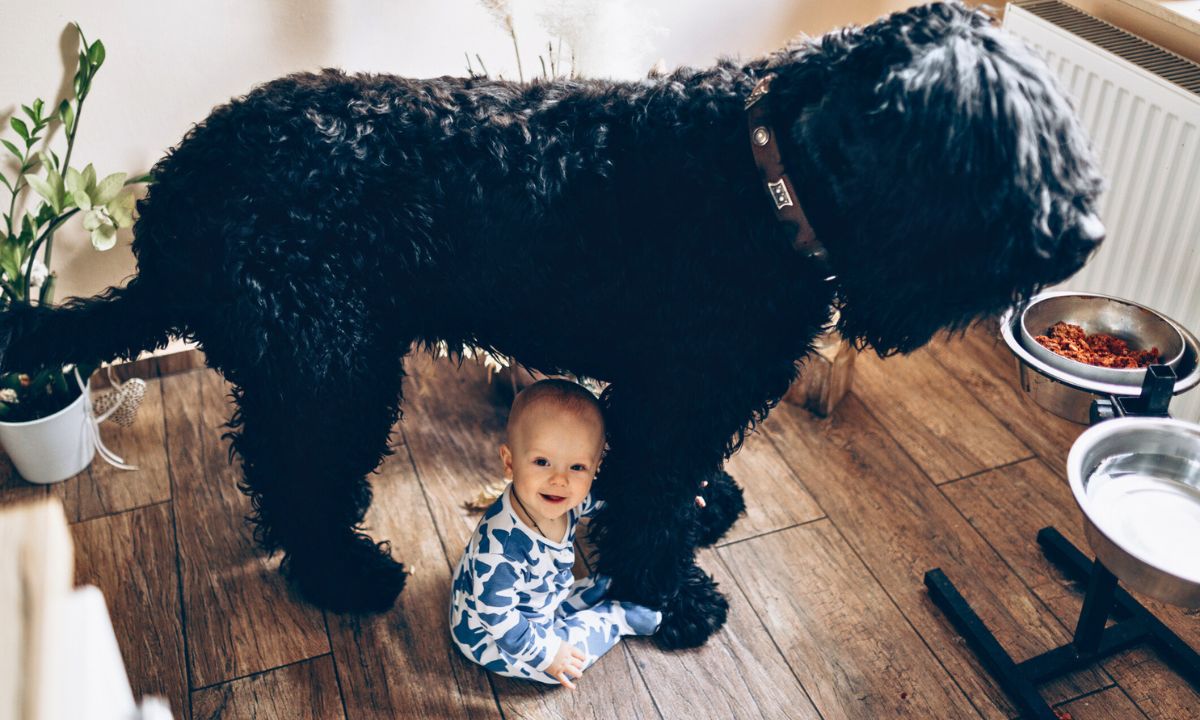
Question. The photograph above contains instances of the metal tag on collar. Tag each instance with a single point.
(762, 87)
(780, 194)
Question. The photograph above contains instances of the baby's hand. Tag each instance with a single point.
(568, 661)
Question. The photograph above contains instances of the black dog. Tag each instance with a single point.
(307, 234)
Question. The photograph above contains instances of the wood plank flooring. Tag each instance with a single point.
(933, 460)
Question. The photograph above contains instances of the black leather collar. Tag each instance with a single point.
(779, 188)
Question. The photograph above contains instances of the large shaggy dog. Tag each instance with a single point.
(307, 234)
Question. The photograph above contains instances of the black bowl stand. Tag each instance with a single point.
(1092, 641)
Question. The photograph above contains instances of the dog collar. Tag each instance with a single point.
(779, 187)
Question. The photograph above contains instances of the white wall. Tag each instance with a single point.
(169, 62)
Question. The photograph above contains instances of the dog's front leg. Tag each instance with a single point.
(722, 503)
(647, 532)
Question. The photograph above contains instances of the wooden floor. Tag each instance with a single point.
(934, 460)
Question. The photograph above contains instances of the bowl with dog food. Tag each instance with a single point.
(1100, 338)
(1093, 346)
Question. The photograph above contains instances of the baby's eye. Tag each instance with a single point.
(541, 461)
(578, 467)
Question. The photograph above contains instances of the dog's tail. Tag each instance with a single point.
(118, 323)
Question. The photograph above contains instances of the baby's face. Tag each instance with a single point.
(552, 460)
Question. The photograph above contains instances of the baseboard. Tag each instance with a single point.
(174, 361)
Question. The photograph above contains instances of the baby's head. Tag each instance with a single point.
(554, 445)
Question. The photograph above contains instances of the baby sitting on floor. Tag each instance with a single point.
(514, 607)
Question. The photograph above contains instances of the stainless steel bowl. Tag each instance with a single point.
(1137, 325)
(1137, 481)
(1069, 394)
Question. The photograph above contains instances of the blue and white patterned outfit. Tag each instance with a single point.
(514, 602)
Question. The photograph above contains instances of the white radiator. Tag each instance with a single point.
(1141, 106)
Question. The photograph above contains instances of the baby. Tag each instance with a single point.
(513, 606)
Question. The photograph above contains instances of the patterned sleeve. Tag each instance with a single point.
(589, 506)
(497, 581)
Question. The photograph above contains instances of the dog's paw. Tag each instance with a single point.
(696, 612)
(357, 575)
(720, 503)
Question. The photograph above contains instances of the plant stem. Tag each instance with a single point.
(65, 165)
(8, 288)
(17, 188)
(512, 31)
(37, 246)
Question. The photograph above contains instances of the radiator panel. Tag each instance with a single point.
(1140, 104)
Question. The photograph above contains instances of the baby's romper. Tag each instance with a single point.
(513, 601)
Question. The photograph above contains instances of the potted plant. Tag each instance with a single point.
(46, 421)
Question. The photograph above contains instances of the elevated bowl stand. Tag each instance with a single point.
(1092, 641)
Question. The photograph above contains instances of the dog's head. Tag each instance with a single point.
(941, 166)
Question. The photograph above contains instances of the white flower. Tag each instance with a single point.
(103, 229)
(40, 272)
(113, 209)
(8, 395)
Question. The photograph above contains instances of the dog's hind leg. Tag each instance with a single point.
(307, 443)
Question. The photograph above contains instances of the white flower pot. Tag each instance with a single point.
(53, 448)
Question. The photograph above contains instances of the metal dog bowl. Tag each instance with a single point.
(1137, 481)
(1067, 388)
(1137, 325)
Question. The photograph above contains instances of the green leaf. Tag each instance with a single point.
(147, 178)
(43, 188)
(37, 107)
(121, 209)
(67, 114)
(27, 232)
(96, 55)
(56, 182)
(74, 181)
(42, 379)
(108, 188)
(82, 201)
(85, 76)
(89, 177)
(46, 215)
(33, 116)
(13, 149)
(4, 180)
(8, 263)
(19, 127)
(56, 163)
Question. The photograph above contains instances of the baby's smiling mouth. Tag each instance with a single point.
(552, 498)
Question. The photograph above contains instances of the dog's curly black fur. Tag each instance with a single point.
(307, 234)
